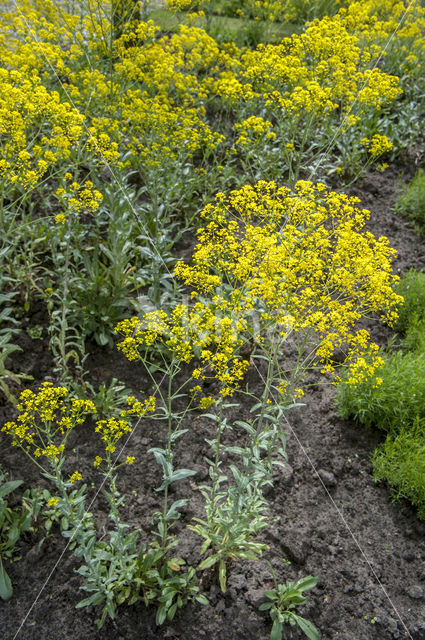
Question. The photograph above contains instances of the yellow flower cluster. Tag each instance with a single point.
(377, 145)
(150, 105)
(299, 258)
(79, 198)
(112, 430)
(254, 131)
(39, 127)
(75, 477)
(206, 402)
(138, 408)
(392, 28)
(46, 416)
(323, 69)
(200, 333)
(36, 129)
(141, 332)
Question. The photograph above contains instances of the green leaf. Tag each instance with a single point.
(102, 338)
(211, 416)
(161, 614)
(222, 575)
(172, 611)
(306, 583)
(245, 425)
(6, 590)
(174, 508)
(259, 405)
(94, 599)
(180, 474)
(277, 631)
(102, 620)
(205, 545)
(308, 628)
(201, 599)
(236, 450)
(295, 598)
(110, 607)
(208, 562)
(159, 456)
(10, 486)
(248, 555)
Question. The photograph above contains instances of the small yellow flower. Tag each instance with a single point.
(206, 402)
(130, 460)
(283, 387)
(75, 476)
(97, 461)
(60, 219)
(53, 502)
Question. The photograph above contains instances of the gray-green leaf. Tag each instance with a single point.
(276, 632)
(308, 628)
(6, 590)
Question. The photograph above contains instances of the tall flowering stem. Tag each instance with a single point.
(41, 431)
(44, 425)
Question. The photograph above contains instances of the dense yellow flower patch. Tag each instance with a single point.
(191, 333)
(45, 417)
(146, 95)
(299, 258)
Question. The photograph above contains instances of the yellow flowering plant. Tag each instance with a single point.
(140, 571)
(46, 420)
(185, 335)
(300, 260)
(279, 268)
(44, 424)
(318, 91)
(273, 266)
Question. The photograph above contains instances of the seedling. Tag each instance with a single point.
(283, 600)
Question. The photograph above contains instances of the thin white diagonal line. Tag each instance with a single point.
(337, 509)
(58, 561)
